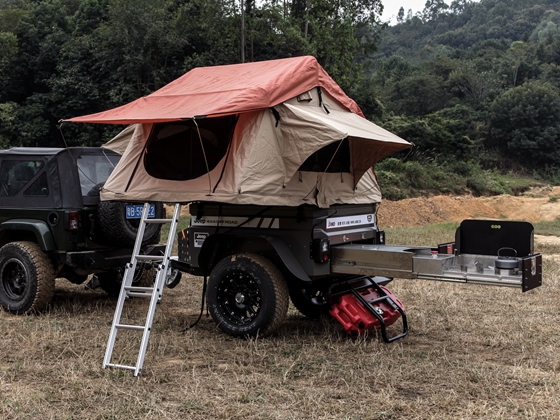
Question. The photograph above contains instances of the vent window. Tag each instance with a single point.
(323, 161)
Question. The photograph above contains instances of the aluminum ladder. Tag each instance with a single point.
(153, 293)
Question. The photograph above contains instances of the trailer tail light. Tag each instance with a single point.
(321, 250)
(72, 220)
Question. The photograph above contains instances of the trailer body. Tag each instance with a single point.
(323, 254)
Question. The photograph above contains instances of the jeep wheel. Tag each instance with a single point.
(121, 231)
(111, 281)
(247, 295)
(27, 278)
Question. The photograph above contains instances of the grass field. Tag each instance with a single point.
(472, 352)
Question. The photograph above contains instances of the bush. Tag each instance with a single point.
(399, 180)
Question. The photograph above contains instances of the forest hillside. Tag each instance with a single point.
(474, 85)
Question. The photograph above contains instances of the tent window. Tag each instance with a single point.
(319, 160)
(174, 149)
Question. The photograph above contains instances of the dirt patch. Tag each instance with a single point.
(533, 206)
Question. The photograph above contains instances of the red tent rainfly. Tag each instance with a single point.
(222, 90)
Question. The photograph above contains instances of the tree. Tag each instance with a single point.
(475, 85)
(400, 15)
(340, 34)
(525, 124)
(417, 95)
(8, 51)
(433, 9)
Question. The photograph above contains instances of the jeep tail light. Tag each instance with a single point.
(72, 220)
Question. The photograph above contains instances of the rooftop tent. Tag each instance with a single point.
(278, 132)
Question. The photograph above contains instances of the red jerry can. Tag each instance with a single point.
(357, 319)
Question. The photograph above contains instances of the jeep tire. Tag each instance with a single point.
(111, 280)
(247, 295)
(27, 278)
(117, 230)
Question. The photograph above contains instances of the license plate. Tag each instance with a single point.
(135, 211)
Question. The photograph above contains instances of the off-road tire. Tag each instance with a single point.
(247, 296)
(118, 231)
(111, 281)
(27, 278)
(301, 299)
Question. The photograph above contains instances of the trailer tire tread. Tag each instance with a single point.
(272, 289)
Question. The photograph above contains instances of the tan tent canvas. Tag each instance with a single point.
(313, 147)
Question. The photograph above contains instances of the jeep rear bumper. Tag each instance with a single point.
(106, 258)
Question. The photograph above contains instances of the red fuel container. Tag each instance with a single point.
(357, 319)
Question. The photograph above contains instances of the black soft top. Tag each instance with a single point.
(62, 172)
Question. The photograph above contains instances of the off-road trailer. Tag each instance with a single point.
(335, 260)
(277, 161)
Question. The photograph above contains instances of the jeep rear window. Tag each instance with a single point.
(94, 171)
(16, 174)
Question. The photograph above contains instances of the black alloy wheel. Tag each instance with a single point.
(247, 295)
(27, 278)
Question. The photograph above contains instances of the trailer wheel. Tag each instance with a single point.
(27, 278)
(247, 295)
(309, 302)
(173, 278)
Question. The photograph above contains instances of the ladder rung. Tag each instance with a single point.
(130, 327)
(150, 257)
(158, 220)
(138, 289)
(120, 366)
(140, 295)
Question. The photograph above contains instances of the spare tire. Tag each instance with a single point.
(120, 231)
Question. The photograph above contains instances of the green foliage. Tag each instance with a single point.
(400, 180)
(476, 82)
(474, 85)
(61, 58)
(525, 122)
(436, 135)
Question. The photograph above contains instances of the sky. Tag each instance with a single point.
(391, 8)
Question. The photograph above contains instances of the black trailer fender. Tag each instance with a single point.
(219, 245)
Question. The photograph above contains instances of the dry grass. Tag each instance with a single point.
(472, 352)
